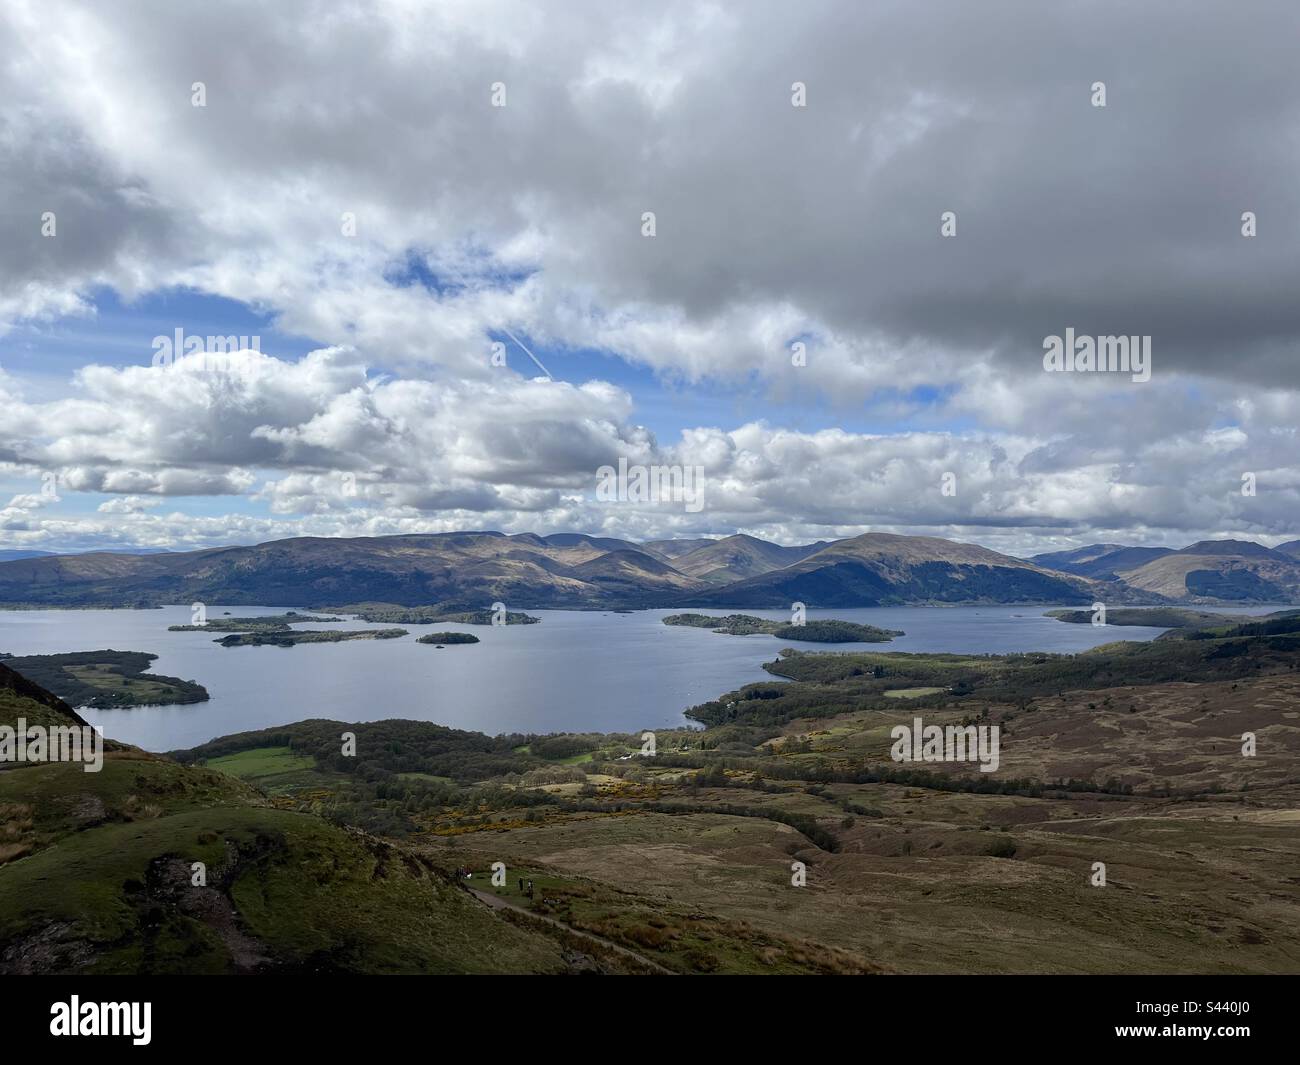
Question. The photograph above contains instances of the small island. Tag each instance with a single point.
(1186, 624)
(441, 638)
(827, 631)
(269, 623)
(105, 680)
(289, 638)
(1160, 617)
(454, 614)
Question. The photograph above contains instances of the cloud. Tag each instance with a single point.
(775, 225)
(328, 450)
(128, 505)
(1117, 219)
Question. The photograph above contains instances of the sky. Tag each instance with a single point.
(474, 251)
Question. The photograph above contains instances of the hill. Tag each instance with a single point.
(736, 558)
(881, 569)
(1207, 572)
(97, 875)
(1216, 571)
(1102, 562)
(21, 698)
(482, 567)
(670, 549)
(1128, 755)
(576, 571)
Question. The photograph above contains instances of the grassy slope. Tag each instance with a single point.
(686, 858)
(1129, 756)
(20, 698)
(95, 877)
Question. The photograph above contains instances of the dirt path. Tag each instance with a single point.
(496, 902)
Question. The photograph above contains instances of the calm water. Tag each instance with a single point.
(578, 671)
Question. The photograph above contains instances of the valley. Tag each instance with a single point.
(780, 839)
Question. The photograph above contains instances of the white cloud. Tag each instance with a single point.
(775, 224)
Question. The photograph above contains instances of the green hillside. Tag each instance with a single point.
(96, 877)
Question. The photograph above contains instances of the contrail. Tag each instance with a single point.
(528, 353)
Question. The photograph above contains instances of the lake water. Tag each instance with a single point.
(577, 671)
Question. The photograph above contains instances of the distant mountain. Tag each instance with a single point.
(1076, 556)
(577, 570)
(523, 571)
(1102, 562)
(735, 558)
(1291, 549)
(1232, 571)
(10, 556)
(881, 569)
(602, 543)
(670, 549)
(1235, 548)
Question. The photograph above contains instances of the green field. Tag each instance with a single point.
(911, 693)
(1129, 754)
(261, 763)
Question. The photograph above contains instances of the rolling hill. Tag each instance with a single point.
(96, 876)
(1206, 572)
(20, 698)
(1235, 571)
(670, 549)
(1102, 562)
(882, 569)
(523, 570)
(736, 558)
(578, 571)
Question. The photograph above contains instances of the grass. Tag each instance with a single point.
(432, 778)
(262, 762)
(139, 690)
(106, 679)
(103, 884)
(678, 938)
(1129, 758)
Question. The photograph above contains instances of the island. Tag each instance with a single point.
(827, 631)
(1160, 617)
(289, 638)
(451, 613)
(441, 638)
(269, 623)
(105, 680)
(1185, 624)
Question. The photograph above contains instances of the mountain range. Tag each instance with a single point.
(1210, 571)
(576, 570)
